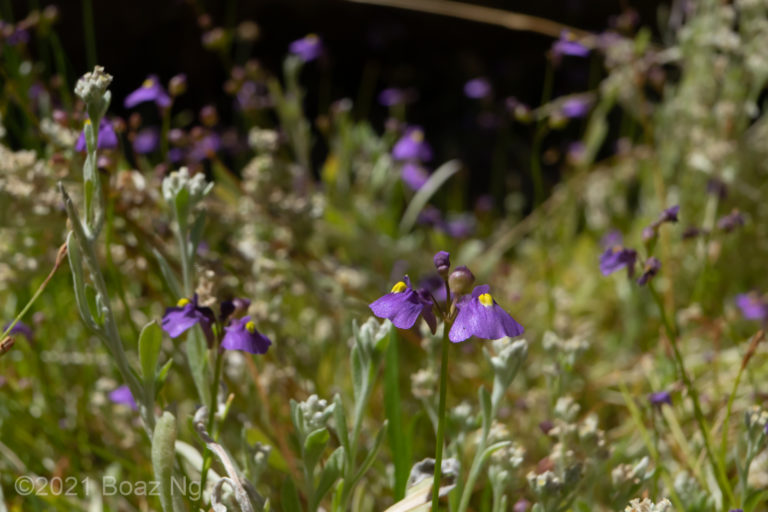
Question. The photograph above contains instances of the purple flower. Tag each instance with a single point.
(477, 88)
(150, 90)
(241, 334)
(204, 148)
(20, 328)
(731, 221)
(521, 505)
(479, 315)
(146, 141)
(414, 175)
(575, 107)
(659, 398)
(403, 306)
(412, 146)
(669, 215)
(435, 285)
(107, 137)
(752, 306)
(567, 45)
(185, 315)
(430, 216)
(617, 257)
(19, 36)
(650, 269)
(717, 188)
(308, 48)
(391, 97)
(123, 395)
(459, 227)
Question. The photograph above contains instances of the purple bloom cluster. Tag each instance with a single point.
(478, 314)
(660, 398)
(239, 334)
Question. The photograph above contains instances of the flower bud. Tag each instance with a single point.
(461, 280)
(442, 263)
(178, 84)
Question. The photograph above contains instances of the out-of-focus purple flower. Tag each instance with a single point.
(669, 215)
(19, 36)
(412, 146)
(617, 257)
(206, 147)
(175, 155)
(753, 306)
(150, 90)
(403, 306)
(234, 306)
(146, 141)
(717, 188)
(659, 398)
(650, 269)
(477, 88)
(731, 221)
(307, 48)
(568, 45)
(186, 314)
(577, 153)
(20, 328)
(414, 175)
(692, 232)
(575, 107)
(122, 395)
(521, 505)
(391, 96)
(107, 137)
(479, 315)
(430, 216)
(460, 226)
(611, 239)
(241, 334)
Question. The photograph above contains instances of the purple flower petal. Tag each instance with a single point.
(477, 88)
(403, 306)
(122, 395)
(20, 328)
(412, 146)
(308, 48)
(414, 175)
(616, 258)
(150, 90)
(146, 141)
(107, 137)
(752, 306)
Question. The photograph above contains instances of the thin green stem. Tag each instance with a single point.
(717, 467)
(90, 34)
(441, 417)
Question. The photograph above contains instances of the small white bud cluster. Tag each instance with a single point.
(92, 85)
(315, 412)
(647, 505)
(196, 186)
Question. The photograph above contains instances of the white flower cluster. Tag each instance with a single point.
(647, 505)
(196, 186)
(92, 85)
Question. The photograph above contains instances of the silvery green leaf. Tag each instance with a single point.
(150, 340)
(485, 404)
(340, 421)
(314, 445)
(168, 275)
(331, 472)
